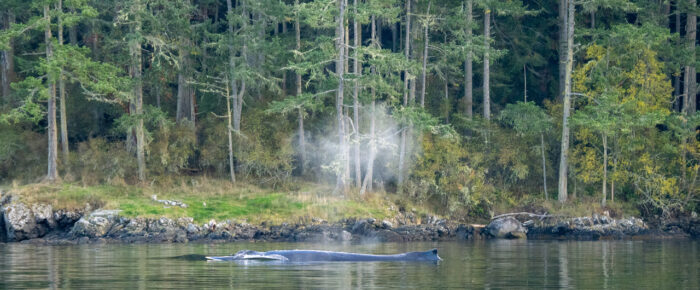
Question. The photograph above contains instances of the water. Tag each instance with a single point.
(489, 264)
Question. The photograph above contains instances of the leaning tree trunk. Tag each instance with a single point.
(367, 183)
(52, 174)
(425, 60)
(563, 161)
(487, 71)
(357, 37)
(468, 74)
(302, 137)
(62, 95)
(340, 70)
(402, 150)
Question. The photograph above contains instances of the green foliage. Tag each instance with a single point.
(442, 175)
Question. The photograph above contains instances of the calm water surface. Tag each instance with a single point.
(491, 264)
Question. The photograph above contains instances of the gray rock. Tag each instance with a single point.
(43, 214)
(20, 223)
(345, 236)
(387, 224)
(506, 228)
(92, 227)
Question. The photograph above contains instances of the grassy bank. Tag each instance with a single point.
(215, 199)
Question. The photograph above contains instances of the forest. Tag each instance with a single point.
(460, 105)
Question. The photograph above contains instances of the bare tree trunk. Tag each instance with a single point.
(563, 161)
(487, 72)
(51, 111)
(425, 60)
(340, 70)
(302, 138)
(525, 83)
(357, 36)
(544, 167)
(62, 94)
(229, 131)
(605, 169)
(402, 150)
(468, 74)
(563, 26)
(367, 183)
(691, 34)
(7, 64)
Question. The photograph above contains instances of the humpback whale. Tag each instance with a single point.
(303, 256)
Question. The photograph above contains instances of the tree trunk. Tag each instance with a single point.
(468, 74)
(487, 72)
(425, 60)
(52, 174)
(563, 161)
(357, 35)
(229, 131)
(62, 94)
(677, 78)
(525, 83)
(302, 138)
(605, 169)
(231, 95)
(340, 70)
(407, 47)
(136, 104)
(7, 64)
(563, 26)
(185, 91)
(544, 167)
(691, 34)
(367, 183)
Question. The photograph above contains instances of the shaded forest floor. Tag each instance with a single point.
(299, 202)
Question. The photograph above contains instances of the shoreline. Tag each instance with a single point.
(40, 224)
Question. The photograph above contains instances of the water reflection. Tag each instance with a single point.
(492, 264)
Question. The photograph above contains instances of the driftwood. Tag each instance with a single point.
(541, 216)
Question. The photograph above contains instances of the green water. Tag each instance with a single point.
(481, 264)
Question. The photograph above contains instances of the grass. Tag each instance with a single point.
(212, 199)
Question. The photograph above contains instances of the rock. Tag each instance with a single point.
(65, 218)
(91, 227)
(192, 229)
(43, 214)
(387, 224)
(345, 236)
(20, 223)
(506, 228)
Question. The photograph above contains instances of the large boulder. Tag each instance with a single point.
(96, 225)
(20, 223)
(506, 228)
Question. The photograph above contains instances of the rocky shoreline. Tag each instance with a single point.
(40, 224)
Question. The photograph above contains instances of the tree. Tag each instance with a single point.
(529, 120)
(564, 151)
(340, 70)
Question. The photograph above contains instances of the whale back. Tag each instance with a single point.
(326, 256)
